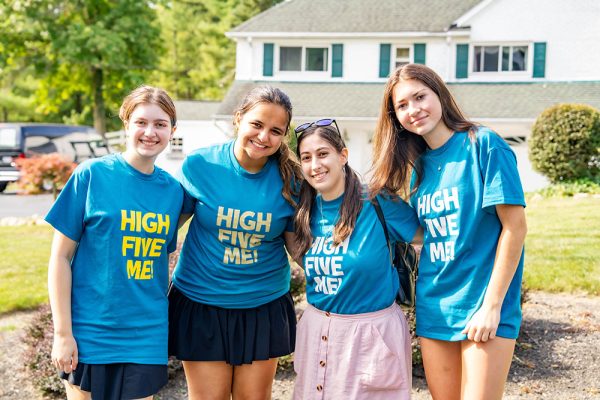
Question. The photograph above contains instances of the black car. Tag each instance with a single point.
(21, 140)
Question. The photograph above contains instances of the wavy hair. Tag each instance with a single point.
(396, 151)
(351, 205)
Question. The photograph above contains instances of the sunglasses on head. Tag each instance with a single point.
(322, 122)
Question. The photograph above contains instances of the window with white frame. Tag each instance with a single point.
(303, 58)
(401, 56)
(176, 144)
(499, 58)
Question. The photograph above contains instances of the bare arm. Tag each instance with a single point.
(64, 348)
(418, 239)
(484, 323)
(290, 243)
(183, 219)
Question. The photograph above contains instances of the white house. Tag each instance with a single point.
(504, 60)
(196, 128)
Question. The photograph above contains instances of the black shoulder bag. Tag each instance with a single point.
(404, 261)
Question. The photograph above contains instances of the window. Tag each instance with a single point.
(290, 58)
(303, 58)
(176, 145)
(499, 58)
(402, 56)
(316, 59)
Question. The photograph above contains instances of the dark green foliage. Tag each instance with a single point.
(199, 62)
(86, 55)
(38, 342)
(565, 143)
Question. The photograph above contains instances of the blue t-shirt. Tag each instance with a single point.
(463, 181)
(126, 224)
(356, 276)
(233, 255)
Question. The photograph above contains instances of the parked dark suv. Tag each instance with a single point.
(21, 140)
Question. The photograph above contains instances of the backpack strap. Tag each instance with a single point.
(381, 219)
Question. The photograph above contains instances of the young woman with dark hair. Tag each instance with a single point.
(115, 224)
(353, 340)
(231, 314)
(463, 182)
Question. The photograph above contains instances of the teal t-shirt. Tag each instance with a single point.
(462, 183)
(233, 255)
(356, 276)
(125, 223)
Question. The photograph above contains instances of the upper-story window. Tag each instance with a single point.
(499, 58)
(303, 58)
(402, 56)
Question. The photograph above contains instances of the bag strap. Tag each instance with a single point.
(381, 219)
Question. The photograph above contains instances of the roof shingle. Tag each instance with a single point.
(477, 100)
(358, 16)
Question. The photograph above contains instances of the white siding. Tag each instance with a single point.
(571, 30)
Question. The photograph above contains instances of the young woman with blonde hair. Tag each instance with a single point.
(115, 224)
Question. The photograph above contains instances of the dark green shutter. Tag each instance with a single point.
(385, 51)
(419, 50)
(462, 61)
(268, 59)
(337, 60)
(539, 60)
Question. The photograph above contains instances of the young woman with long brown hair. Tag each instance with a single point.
(353, 340)
(231, 314)
(463, 182)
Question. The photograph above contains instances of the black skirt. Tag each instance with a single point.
(200, 332)
(119, 381)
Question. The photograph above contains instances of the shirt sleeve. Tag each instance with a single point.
(401, 219)
(67, 214)
(190, 191)
(501, 181)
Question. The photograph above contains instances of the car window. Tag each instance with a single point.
(8, 138)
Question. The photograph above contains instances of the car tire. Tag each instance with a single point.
(3, 186)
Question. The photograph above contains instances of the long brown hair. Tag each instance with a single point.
(289, 168)
(396, 150)
(351, 205)
(148, 95)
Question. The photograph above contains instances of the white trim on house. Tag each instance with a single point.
(352, 35)
(464, 19)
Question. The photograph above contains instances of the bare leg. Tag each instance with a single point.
(485, 368)
(254, 381)
(208, 380)
(442, 362)
(75, 393)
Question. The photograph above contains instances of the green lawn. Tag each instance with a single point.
(562, 250)
(23, 266)
(562, 253)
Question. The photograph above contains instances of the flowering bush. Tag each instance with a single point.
(45, 173)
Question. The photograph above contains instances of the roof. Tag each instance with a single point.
(477, 100)
(190, 110)
(358, 16)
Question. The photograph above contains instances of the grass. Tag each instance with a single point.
(23, 266)
(562, 252)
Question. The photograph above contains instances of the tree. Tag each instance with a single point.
(200, 64)
(87, 53)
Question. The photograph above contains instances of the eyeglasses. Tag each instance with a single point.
(322, 122)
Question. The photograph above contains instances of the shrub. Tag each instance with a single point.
(48, 172)
(565, 143)
(570, 188)
(38, 347)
